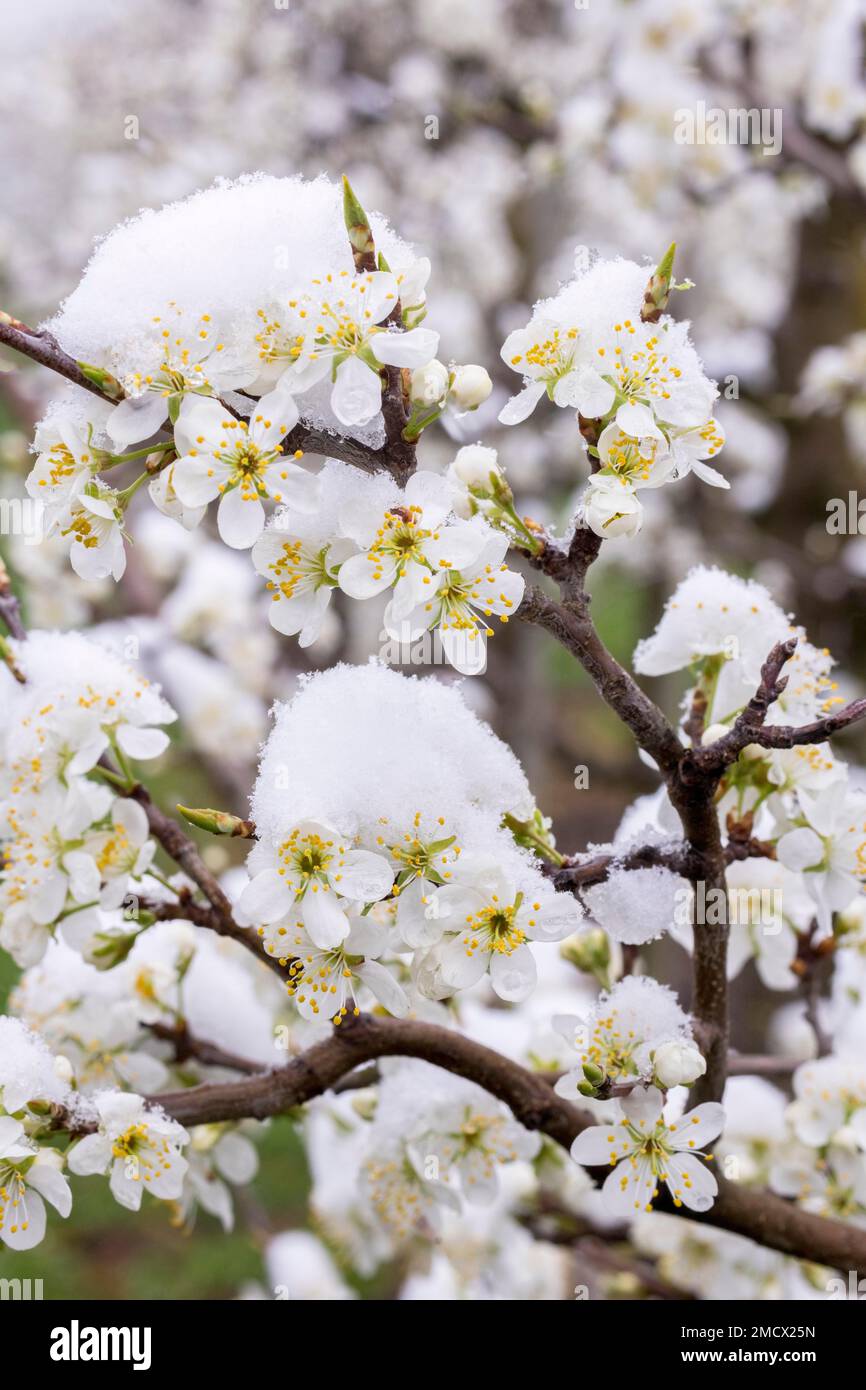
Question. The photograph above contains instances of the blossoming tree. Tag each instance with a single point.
(387, 954)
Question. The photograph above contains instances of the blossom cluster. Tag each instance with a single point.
(634, 380)
(381, 856)
(802, 800)
(73, 848)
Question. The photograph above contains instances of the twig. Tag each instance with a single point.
(43, 348)
(571, 625)
(187, 1046)
(179, 847)
(10, 611)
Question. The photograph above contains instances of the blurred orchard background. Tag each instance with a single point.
(502, 137)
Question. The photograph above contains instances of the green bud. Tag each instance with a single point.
(218, 822)
(535, 834)
(590, 952)
(108, 384)
(39, 1107)
(593, 1073)
(657, 292)
(107, 949)
(358, 227)
(586, 1088)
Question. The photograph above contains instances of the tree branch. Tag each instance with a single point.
(756, 1214)
(751, 727)
(43, 347)
(187, 1047)
(179, 847)
(570, 624)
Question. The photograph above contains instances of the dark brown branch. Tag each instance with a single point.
(679, 858)
(179, 847)
(398, 457)
(186, 1048)
(311, 440)
(570, 624)
(588, 872)
(601, 1254)
(43, 348)
(751, 727)
(756, 1214)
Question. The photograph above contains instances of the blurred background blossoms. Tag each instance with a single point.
(512, 142)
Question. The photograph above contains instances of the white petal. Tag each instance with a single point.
(127, 1190)
(364, 877)
(466, 649)
(141, 743)
(196, 480)
(357, 393)
(800, 849)
(691, 1182)
(637, 420)
(698, 1126)
(239, 522)
(362, 576)
(413, 349)
(236, 1158)
(594, 396)
(513, 977)
(51, 1184)
(630, 1188)
(381, 982)
(265, 899)
(325, 921)
(136, 418)
(709, 475)
(596, 1146)
(521, 406)
(25, 1227)
(90, 1155)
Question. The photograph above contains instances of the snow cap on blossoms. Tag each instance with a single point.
(715, 614)
(712, 613)
(27, 1068)
(361, 743)
(223, 253)
(636, 905)
(588, 348)
(622, 1030)
(76, 672)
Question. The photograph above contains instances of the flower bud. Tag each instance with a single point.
(611, 509)
(477, 468)
(429, 383)
(677, 1064)
(470, 387)
(358, 228)
(589, 951)
(63, 1069)
(593, 1074)
(218, 822)
(658, 290)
